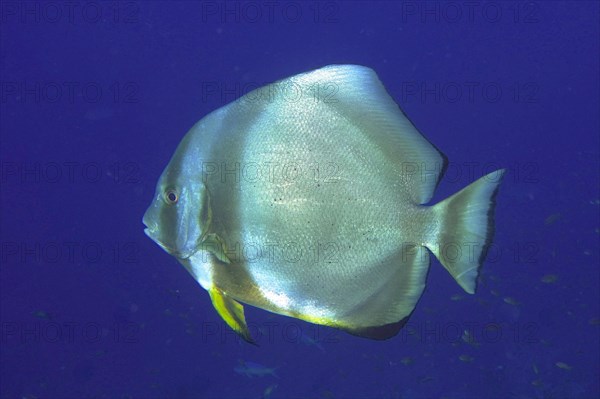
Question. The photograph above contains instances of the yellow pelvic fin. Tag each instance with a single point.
(232, 312)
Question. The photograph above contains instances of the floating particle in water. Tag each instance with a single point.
(327, 394)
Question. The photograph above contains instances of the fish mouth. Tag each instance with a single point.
(148, 231)
(150, 226)
(151, 231)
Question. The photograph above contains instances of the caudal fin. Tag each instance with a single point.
(466, 229)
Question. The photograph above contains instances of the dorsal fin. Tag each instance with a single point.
(357, 93)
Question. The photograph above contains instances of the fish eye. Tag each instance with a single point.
(171, 196)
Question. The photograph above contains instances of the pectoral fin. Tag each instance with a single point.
(232, 312)
(216, 246)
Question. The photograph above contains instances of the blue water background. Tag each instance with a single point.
(90, 307)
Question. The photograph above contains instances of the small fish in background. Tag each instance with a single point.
(563, 365)
(466, 358)
(550, 220)
(549, 279)
(42, 314)
(407, 360)
(354, 181)
(251, 369)
(537, 382)
(457, 297)
(269, 391)
(511, 301)
(468, 338)
(307, 340)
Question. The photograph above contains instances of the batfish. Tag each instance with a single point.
(307, 198)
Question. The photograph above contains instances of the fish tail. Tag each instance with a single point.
(466, 229)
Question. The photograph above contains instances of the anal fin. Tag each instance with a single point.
(232, 312)
(386, 312)
(379, 332)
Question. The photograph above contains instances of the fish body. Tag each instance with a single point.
(307, 198)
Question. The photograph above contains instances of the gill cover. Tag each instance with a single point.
(179, 217)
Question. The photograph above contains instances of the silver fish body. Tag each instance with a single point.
(306, 198)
